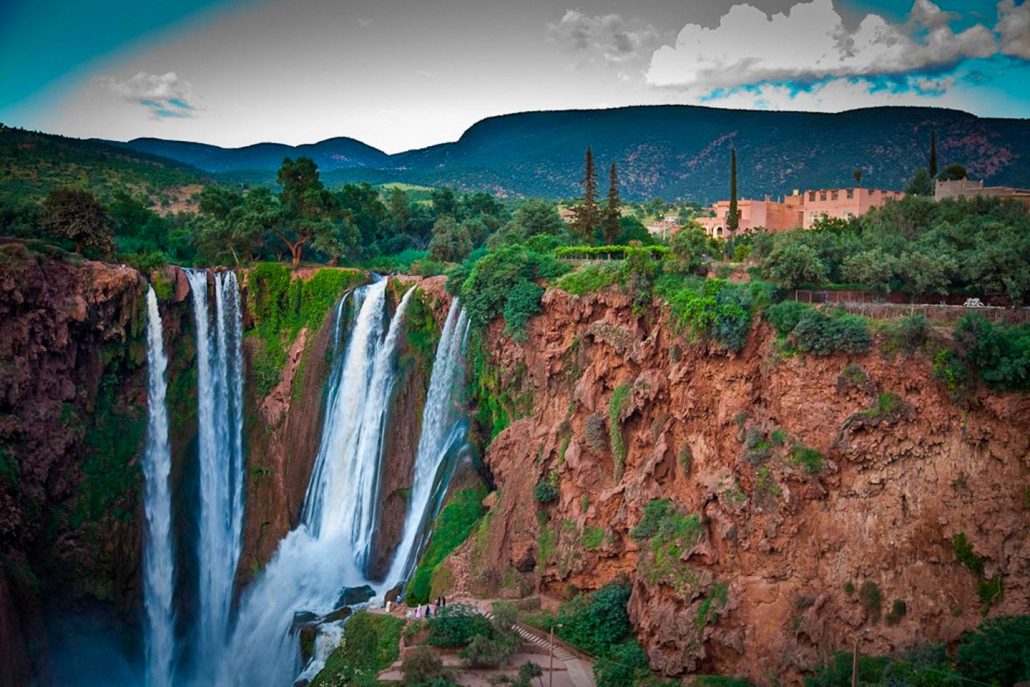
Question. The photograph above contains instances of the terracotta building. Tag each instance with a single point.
(795, 210)
(842, 203)
(967, 188)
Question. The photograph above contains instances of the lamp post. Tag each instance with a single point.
(550, 659)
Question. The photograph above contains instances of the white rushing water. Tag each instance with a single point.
(443, 429)
(220, 458)
(316, 561)
(158, 556)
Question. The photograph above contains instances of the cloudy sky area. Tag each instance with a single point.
(400, 75)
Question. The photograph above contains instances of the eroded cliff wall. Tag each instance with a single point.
(806, 496)
(72, 419)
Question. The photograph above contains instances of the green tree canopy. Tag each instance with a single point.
(77, 216)
(790, 265)
(450, 242)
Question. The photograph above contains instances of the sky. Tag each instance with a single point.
(402, 75)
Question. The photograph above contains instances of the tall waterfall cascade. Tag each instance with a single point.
(220, 457)
(158, 553)
(254, 640)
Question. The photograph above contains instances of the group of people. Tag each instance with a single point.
(431, 609)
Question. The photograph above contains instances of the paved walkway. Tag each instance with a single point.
(569, 669)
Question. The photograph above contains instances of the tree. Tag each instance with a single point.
(872, 268)
(688, 246)
(450, 242)
(236, 230)
(924, 274)
(308, 211)
(444, 201)
(76, 215)
(858, 177)
(366, 208)
(932, 162)
(537, 217)
(953, 172)
(733, 221)
(920, 185)
(791, 264)
(586, 214)
(610, 222)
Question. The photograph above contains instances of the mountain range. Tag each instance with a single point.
(665, 151)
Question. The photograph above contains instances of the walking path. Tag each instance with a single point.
(569, 670)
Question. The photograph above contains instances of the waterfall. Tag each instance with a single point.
(317, 561)
(158, 561)
(220, 457)
(443, 429)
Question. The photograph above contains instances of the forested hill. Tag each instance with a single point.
(329, 155)
(667, 151)
(32, 164)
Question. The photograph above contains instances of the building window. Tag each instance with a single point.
(851, 193)
(822, 195)
(811, 195)
(833, 195)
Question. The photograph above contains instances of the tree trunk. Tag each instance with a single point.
(296, 250)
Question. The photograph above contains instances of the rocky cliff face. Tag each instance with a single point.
(811, 502)
(72, 418)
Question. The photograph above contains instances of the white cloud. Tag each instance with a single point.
(810, 43)
(615, 39)
(166, 96)
(1014, 28)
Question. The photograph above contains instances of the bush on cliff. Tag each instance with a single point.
(714, 309)
(453, 526)
(370, 644)
(597, 621)
(821, 334)
(998, 652)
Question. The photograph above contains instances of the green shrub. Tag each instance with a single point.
(912, 333)
(655, 513)
(492, 279)
(369, 645)
(809, 459)
(523, 302)
(998, 652)
(456, 625)
(592, 537)
(965, 555)
(898, 610)
(950, 370)
(784, 316)
(528, 671)
(421, 667)
(545, 492)
(715, 309)
(616, 404)
(590, 279)
(490, 651)
(624, 665)
(597, 621)
(719, 681)
(819, 334)
(453, 526)
(999, 353)
(872, 600)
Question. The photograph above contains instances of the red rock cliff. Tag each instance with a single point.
(784, 548)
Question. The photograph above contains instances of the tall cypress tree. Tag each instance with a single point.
(586, 213)
(610, 224)
(733, 221)
(932, 166)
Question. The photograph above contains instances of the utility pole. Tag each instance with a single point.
(854, 666)
(550, 660)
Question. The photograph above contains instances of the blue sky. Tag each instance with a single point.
(400, 74)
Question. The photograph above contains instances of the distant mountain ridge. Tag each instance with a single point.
(671, 151)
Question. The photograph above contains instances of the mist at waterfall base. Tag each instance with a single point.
(315, 563)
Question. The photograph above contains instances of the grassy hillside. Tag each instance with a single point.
(31, 164)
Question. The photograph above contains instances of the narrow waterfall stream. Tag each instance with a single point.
(158, 554)
(220, 458)
(443, 429)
